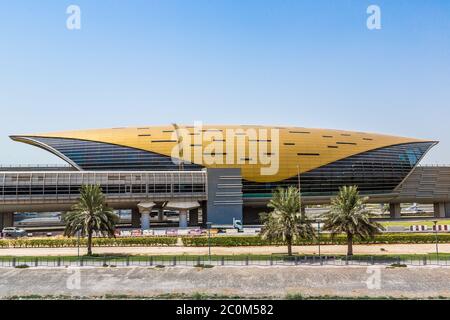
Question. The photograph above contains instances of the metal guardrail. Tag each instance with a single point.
(7, 166)
(204, 261)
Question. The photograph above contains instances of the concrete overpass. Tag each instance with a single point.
(215, 191)
(44, 191)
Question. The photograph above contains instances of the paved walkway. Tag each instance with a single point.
(325, 249)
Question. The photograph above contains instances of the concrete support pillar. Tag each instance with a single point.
(395, 210)
(183, 218)
(204, 213)
(6, 220)
(382, 208)
(303, 210)
(447, 209)
(161, 215)
(135, 218)
(251, 214)
(145, 208)
(193, 217)
(439, 209)
(182, 207)
(145, 220)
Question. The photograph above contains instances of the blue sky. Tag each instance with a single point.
(302, 63)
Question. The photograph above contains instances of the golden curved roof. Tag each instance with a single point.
(300, 149)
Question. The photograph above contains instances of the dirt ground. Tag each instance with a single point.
(328, 249)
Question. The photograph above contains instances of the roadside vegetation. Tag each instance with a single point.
(349, 216)
(220, 241)
(90, 214)
(206, 259)
(285, 224)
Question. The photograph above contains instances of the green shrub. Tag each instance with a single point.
(384, 238)
(98, 242)
(216, 241)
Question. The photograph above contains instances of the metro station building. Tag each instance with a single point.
(224, 172)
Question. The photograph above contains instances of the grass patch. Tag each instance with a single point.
(407, 224)
(203, 259)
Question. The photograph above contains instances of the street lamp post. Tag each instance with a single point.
(78, 245)
(318, 240)
(436, 236)
(208, 226)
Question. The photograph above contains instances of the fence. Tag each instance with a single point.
(205, 261)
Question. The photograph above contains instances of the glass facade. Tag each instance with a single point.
(375, 171)
(90, 155)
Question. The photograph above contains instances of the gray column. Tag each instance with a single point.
(182, 207)
(145, 220)
(193, 217)
(251, 214)
(439, 209)
(183, 218)
(6, 220)
(395, 210)
(135, 218)
(303, 210)
(145, 208)
(224, 195)
(204, 213)
(447, 209)
(161, 215)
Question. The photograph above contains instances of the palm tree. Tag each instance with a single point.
(285, 222)
(90, 214)
(348, 215)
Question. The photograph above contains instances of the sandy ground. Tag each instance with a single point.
(328, 249)
(276, 282)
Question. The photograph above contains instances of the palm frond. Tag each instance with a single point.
(348, 215)
(285, 222)
(90, 214)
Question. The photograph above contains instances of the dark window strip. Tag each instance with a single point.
(164, 140)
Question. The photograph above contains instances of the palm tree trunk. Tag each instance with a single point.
(289, 245)
(89, 243)
(349, 244)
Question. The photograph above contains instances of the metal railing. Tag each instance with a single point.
(205, 261)
(56, 165)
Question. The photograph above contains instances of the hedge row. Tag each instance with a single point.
(385, 238)
(218, 241)
(97, 242)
